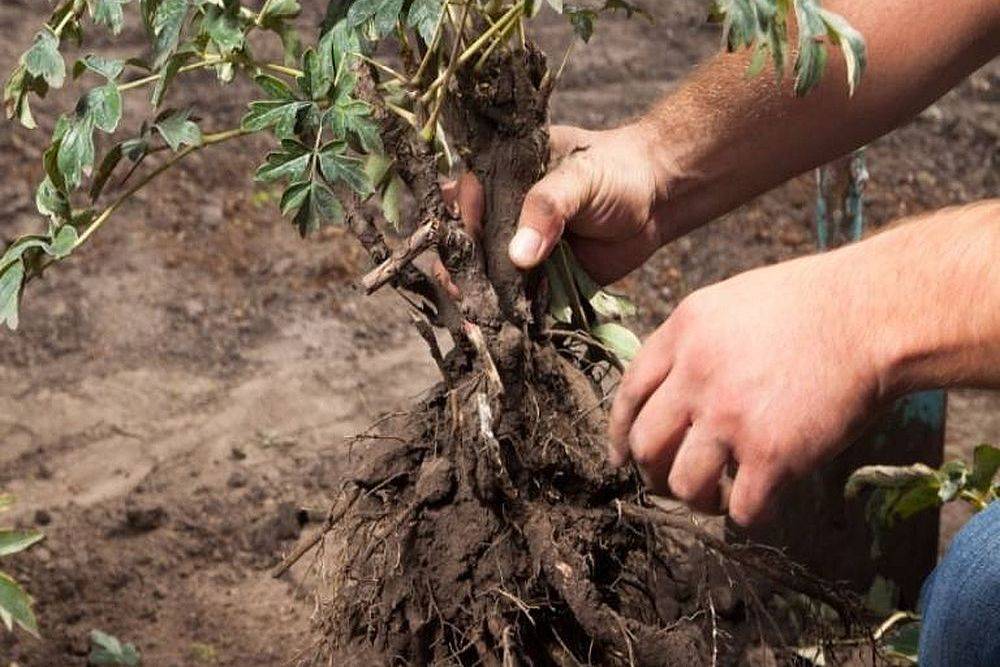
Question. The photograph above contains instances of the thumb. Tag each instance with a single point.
(547, 208)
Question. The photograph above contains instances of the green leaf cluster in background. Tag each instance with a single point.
(15, 603)
(106, 649)
(762, 26)
(897, 493)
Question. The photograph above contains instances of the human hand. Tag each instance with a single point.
(601, 192)
(772, 370)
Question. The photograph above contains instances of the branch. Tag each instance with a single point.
(419, 242)
(207, 140)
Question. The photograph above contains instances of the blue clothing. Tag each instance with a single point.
(960, 601)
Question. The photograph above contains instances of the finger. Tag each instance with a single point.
(444, 278)
(752, 497)
(471, 203)
(657, 433)
(547, 206)
(466, 196)
(645, 373)
(697, 470)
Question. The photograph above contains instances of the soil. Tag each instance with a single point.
(180, 400)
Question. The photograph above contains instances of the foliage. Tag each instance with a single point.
(328, 150)
(15, 604)
(108, 650)
(900, 492)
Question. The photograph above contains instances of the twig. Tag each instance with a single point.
(337, 512)
(418, 243)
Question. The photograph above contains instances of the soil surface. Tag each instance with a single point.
(182, 394)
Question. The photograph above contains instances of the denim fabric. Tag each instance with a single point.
(960, 602)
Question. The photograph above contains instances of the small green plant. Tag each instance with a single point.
(899, 492)
(15, 603)
(106, 649)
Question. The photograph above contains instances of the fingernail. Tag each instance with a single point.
(525, 247)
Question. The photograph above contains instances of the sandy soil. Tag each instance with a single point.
(182, 389)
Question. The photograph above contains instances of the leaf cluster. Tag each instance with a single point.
(897, 493)
(763, 27)
(15, 603)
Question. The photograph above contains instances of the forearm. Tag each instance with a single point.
(724, 137)
(926, 298)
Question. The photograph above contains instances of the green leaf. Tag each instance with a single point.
(424, 16)
(224, 27)
(63, 243)
(108, 13)
(166, 24)
(382, 14)
(338, 166)
(582, 20)
(886, 477)
(275, 88)
(52, 202)
(290, 162)
(177, 129)
(618, 339)
(15, 95)
(15, 606)
(317, 76)
(985, 463)
(283, 115)
(104, 105)
(281, 9)
(851, 43)
(354, 118)
(952, 477)
(168, 73)
(904, 643)
(339, 47)
(109, 68)
(44, 60)
(314, 203)
(560, 305)
(392, 201)
(108, 650)
(76, 150)
(11, 282)
(604, 303)
(811, 61)
(16, 541)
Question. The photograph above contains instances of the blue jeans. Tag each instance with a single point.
(960, 601)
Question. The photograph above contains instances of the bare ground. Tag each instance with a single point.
(178, 392)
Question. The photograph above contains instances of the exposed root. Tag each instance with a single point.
(466, 545)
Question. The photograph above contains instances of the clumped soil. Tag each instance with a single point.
(179, 393)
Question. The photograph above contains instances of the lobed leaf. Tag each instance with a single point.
(424, 16)
(15, 606)
(16, 541)
(381, 15)
(44, 60)
(618, 339)
(108, 13)
(337, 165)
(108, 650)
